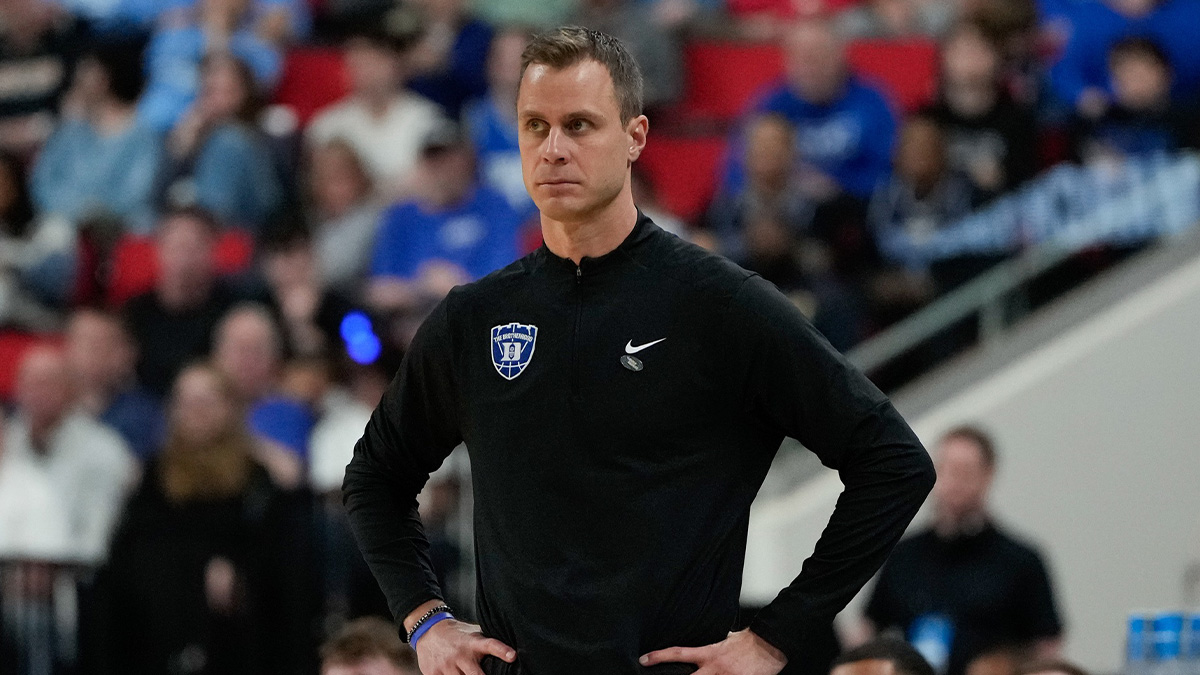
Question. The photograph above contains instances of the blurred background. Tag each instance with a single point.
(222, 220)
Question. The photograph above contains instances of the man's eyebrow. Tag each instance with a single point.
(527, 114)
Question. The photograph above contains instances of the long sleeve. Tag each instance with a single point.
(49, 181)
(410, 433)
(803, 388)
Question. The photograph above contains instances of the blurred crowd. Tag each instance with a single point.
(222, 287)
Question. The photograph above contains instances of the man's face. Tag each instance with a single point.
(866, 667)
(98, 350)
(575, 152)
(815, 61)
(963, 479)
(375, 665)
(373, 68)
(43, 387)
(185, 252)
(969, 59)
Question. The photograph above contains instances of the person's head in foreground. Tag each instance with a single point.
(367, 646)
(885, 656)
(1051, 667)
(580, 124)
(966, 464)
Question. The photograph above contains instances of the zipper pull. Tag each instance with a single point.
(578, 272)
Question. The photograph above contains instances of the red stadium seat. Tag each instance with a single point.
(907, 70)
(683, 171)
(313, 77)
(724, 77)
(135, 264)
(13, 345)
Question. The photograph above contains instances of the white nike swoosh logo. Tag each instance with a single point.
(630, 349)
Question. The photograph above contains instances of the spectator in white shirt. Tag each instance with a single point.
(79, 468)
(381, 120)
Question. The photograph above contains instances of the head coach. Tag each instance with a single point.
(621, 394)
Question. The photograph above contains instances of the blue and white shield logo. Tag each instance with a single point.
(512, 347)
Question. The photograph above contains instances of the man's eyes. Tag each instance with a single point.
(573, 125)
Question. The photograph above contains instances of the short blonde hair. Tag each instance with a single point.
(365, 638)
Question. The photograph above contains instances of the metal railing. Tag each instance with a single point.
(39, 616)
(987, 296)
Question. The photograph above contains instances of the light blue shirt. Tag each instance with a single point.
(81, 173)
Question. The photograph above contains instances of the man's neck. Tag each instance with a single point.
(111, 118)
(972, 100)
(593, 236)
(947, 527)
(378, 103)
(42, 433)
(184, 297)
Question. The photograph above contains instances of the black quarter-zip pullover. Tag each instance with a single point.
(620, 416)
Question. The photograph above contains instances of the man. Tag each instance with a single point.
(454, 231)
(964, 587)
(83, 466)
(621, 394)
(172, 323)
(383, 122)
(882, 657)
(367, 646)
(844, 128)
(102, 357)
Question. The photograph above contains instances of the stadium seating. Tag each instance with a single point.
(313, 77)
(135, 265)
(683, 171)
(13, 345)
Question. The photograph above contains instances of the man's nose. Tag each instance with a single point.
(554, 150)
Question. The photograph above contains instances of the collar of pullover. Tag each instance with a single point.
(642, 230)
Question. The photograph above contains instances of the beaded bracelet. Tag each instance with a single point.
(426, 617)
(429, 623)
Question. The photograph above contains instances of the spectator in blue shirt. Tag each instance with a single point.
(844, 128)
(1080, 77)
(101, 161)
(218, 158)
(449, 61)
(102, 355)
(492, 122)
(277, 21)
(176, 51)
(1142, 119)
(455, 231)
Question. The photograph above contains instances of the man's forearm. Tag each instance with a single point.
(391, 537)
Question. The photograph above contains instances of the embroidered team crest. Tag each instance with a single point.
(512, 347)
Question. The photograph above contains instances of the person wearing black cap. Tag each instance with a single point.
(454, 230)
(621, 394)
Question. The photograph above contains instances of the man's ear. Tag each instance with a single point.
(637, 129)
